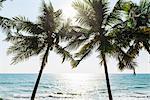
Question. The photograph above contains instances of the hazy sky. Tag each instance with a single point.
(30, 9)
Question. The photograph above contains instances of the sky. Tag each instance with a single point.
(30, 9)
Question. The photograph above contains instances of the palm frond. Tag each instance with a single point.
(69, 32)
(126, 59)
(46, 19)
(130, 64)
(29, 38)
(115, 15)
(146, 45)
(97, 6)
(21, 55)
(75, 63)
(6, 24)
(23, 24)
(75, 43)
(144, 5)
(65, 30)
(49, 20)
(86, 49)
(23, 47)
(85, 13)
(64, 53)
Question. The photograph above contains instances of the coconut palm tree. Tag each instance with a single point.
(101, 26)
(37, 38)
(95, 20)
(134, 34)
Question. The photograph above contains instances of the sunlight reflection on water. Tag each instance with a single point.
(74, 87)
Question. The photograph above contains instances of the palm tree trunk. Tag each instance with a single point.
(107, 77)
(134, 71)
(37, 83)
(44, 60)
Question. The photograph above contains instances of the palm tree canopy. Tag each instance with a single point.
(32, 38)
(134, 34)
(95, 19)
(110, 33)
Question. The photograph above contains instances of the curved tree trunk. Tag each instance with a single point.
(107, 77)
(44, 60)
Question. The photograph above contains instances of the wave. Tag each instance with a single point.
(63, 95)
(57, 95)
(139, 87)
(140, 96)
(7, 83)
(47, 87)
(22, 96)
(142, 84)
(140, 93)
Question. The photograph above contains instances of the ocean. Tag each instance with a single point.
(75, 87)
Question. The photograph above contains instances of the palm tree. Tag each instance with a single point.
(101, 26)
(95, 20)
(134, 34)
(29, 38)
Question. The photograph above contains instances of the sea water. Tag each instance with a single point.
(75, 87)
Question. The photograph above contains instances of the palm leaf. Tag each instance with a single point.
(65, 54)
(23, 24)
(85, 14)
(115, 15)
(6, 24)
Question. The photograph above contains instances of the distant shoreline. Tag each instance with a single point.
(78, 73)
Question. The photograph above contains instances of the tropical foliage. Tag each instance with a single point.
(121, 32)
(37, 38)
(134, 34)
(96, 21)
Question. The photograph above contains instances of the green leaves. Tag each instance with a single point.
(64, 54)
(49, 19)
(23, 47)
(7, 24)
(35, 38)
(94, 15)
(125, 27)
(75, 43)
(74, 63)
(23, 24)
(115, 16)
(85, 14)
(119, 28)
(127, 6)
